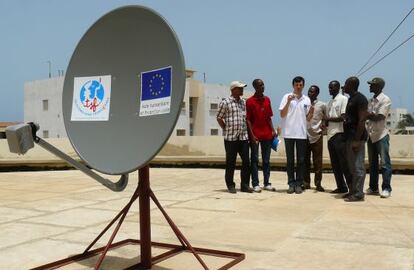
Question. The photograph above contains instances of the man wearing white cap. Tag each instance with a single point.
(231, 117)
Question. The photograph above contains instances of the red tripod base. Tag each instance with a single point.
(173, 250)
(145, 193)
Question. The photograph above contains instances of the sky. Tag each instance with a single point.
(321, 40)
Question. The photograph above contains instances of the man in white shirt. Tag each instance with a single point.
(314, 145)
(379, 140)
(294, 109)
(336, 140)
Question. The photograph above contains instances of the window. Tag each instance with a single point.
(214, 132)
(45, 104)
(213, 106)
(45, 133)
(180, 132)
(183, 106)
(191, 129)
(191, 107)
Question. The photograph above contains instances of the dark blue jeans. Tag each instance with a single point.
(300, 160)
(380, 148)
(232, 149)
(265, 149)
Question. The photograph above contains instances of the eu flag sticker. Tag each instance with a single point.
(156, 91)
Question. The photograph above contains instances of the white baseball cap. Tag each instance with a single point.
(235, 84)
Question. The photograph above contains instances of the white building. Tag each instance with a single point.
(43, 105)
(394, 117)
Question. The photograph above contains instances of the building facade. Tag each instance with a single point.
(43, 105)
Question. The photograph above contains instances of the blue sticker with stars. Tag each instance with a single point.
(156, 91)
(156, 84)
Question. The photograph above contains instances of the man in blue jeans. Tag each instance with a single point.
(294, 110)
(259, 120)
(379, 139)
(356, 135)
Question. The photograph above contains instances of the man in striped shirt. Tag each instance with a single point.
(231, 117)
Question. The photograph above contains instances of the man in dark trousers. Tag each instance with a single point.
(356, 136)
(314, 144)
(231, 117)
(294, 109)
(259, 121)
(379, 139)
(336, 140)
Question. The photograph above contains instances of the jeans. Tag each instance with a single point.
(300, 161)
(316, 149)
(265, 148)
(232, 149)
(381, 148)
(356, 167)
(337, 152)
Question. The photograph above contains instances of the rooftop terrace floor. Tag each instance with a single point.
(49, 215)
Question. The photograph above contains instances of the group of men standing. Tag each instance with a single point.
(349, 122)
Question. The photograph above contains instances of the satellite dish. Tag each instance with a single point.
(123, 90)
(121, 99)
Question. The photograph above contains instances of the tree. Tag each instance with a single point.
(407, 121)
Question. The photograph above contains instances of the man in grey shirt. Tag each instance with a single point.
(315, 139)
(379, 140)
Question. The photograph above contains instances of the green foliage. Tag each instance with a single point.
(407, 121)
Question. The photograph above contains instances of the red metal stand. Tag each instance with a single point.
(144, 193)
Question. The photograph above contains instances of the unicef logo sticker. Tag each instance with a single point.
(91, 98)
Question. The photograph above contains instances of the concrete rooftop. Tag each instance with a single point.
(49, 215)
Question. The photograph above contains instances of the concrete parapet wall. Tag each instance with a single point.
(193, 150)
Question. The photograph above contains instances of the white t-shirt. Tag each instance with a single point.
(336, 107)
(294, 124)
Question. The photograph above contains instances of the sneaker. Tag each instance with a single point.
(291, 189)
(320, 189)
(371, 191)
(385, 193)
(232, 190)
(269, 188)
(257, 189)
(298, 190)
